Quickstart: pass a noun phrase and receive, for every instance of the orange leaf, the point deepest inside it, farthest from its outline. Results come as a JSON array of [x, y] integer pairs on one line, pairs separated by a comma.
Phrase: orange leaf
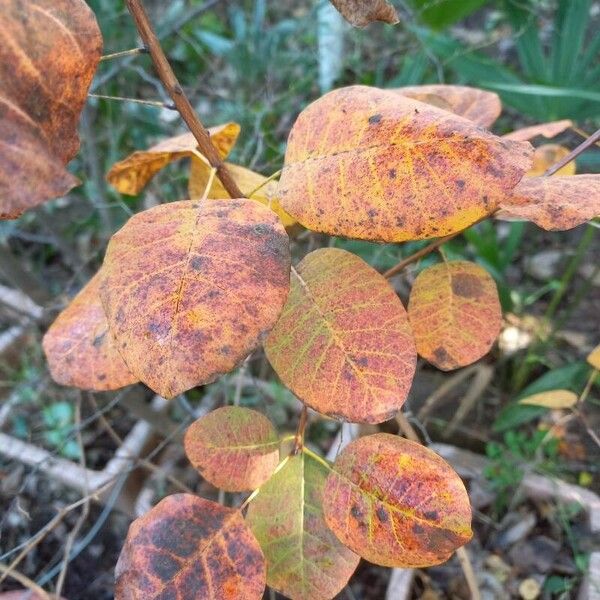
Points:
[[188, 547], [234, 448], [49, 51], [548, 130], [305, 561], [546, 156], [455, 314], [79, 348], [362, 12], [396, 503], [371, 164], [554, 203], [246, 180], [131, 175], [480, 106], [343, 344], [190, 289]]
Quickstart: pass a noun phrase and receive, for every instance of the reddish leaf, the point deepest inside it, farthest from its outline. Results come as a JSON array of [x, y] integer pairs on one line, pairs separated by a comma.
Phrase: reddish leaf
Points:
[[455, 314], [188, 548], [480, 106], [554, 203], [548, 130], [396, 503], [362, 12], [49, 50], [371, 164], [305, 561], [236, 449], [190, 289], [343, 344], [132, 174], [79, 348]]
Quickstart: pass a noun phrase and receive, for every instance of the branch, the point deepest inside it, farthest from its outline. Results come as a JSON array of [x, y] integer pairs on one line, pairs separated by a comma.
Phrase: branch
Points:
[[174, 89]]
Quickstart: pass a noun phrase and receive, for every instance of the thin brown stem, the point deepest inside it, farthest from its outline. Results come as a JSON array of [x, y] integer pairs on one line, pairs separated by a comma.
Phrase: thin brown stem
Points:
[[123, 53], [574, 153], [299, 440], [175, 91]]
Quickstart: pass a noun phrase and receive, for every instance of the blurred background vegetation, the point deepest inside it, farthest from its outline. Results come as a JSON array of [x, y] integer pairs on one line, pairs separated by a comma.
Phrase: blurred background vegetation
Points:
[[259, 63]]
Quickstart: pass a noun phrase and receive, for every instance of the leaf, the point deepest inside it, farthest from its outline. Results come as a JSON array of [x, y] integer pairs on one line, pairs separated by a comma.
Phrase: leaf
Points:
[[305, 561], [455, 314], [554, 203], [49, 51], [371, 164], [80, 350], [480, 106], [548, 130], [234, 448], [554, 399], [443, 13], [546, 156], [594, 358], [343, 344], [361, 13], [396, 503], [187, 547], [132, 174], [190, 289], [247, 181]]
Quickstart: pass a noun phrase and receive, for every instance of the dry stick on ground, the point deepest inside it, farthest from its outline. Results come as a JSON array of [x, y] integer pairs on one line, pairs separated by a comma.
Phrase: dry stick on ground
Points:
[[175, 91], [588, 143]]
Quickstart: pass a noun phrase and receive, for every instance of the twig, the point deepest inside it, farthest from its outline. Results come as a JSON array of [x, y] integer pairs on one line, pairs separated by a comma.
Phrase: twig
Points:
[[175, 91], [299, 441], [155, 103], [131, 52], [574, 153], [23, 580]]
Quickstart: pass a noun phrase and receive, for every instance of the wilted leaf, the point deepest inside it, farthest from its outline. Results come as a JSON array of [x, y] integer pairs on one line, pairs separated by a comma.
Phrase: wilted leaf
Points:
[[247, 181], [190, 289], [372, 164], [362, 12], [455, 314], [49, 50], [305, 561], [234, 448], [79, 348], [594, 358], [480, 106], [396, 503], [548, 130], [554, 203], [131, 175], [546, 156], [343, 344], [188, 548], [554, 399]]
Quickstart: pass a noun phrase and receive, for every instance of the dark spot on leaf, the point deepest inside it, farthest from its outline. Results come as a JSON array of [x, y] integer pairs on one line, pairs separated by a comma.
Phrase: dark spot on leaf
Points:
[[382, 514], [418, 529], [101, 377], [431, 514], [392, 173], [164, 566], [99, 340], [375, 119], [356, 512], [225, 350], [460, 183], [372, 213], [466, 285], [196, 263]]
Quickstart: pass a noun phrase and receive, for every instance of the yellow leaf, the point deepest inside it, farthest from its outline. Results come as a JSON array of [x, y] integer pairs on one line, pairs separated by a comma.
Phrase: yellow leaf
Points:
[[246, 180], [548, 155], [131, 175], [594, 358], [554, 399]]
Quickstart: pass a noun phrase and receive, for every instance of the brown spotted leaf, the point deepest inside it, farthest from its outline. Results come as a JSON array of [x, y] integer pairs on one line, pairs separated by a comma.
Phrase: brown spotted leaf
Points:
[[480, 106], [247, 181], [546, 156], [547, 130], [396, 503], [49, 51], [455, 314], [343, 344], [190, 289], [234, 448], [188, 548], [132, 174], [79, 348], [554, 203], [362, 12], [372, 164], [305, 561]]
